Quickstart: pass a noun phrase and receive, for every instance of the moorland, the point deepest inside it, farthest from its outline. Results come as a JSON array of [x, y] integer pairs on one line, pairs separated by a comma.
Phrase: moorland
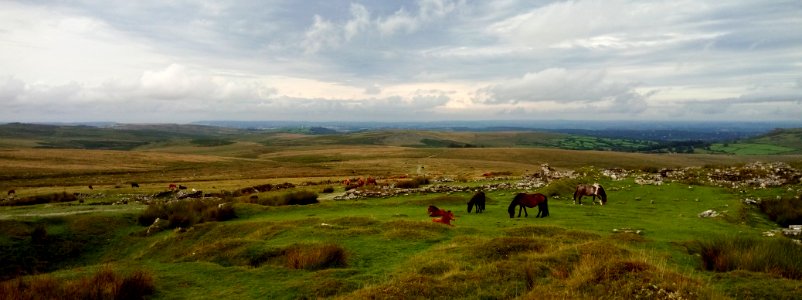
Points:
[[89, 213]]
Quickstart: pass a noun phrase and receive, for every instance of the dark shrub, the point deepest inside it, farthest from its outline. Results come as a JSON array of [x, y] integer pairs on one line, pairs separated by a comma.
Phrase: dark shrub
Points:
[[105, 284], [328, 190], [774, 256], [412, 183], [186, 213], [301, 198], [786, 211], [136, 286], [291, 198], [40, 199]]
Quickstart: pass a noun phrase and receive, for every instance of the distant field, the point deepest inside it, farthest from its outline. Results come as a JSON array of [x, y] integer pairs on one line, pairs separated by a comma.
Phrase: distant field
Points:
[[750, 149]]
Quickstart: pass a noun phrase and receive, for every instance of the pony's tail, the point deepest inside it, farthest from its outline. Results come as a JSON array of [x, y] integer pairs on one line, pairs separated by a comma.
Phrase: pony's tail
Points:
[[546, 205]]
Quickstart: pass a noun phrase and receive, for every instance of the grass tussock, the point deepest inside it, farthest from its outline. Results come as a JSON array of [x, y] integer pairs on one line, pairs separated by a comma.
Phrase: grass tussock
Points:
[[780, 257], [316, 256], [185, 213], [415, 230], [553, 232], [411, 286], [605, 269], [506, 247], [412, 183], [104, 284]]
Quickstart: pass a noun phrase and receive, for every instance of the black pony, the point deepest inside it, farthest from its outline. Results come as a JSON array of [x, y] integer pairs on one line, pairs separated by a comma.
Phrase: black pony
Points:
[[529, 200], [478, 199]]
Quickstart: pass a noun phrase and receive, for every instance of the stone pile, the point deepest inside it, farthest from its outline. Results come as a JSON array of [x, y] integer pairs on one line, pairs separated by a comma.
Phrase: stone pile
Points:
[[388, 191], [757, 175]]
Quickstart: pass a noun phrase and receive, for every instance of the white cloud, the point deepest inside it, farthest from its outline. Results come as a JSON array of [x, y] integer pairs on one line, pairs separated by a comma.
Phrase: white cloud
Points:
[[359, 22], [429, 59], [322, 34], [558, 85]]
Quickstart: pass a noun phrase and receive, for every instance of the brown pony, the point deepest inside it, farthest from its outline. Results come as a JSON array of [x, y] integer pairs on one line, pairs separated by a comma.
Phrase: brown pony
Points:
[[435, 212], [590, 190], [446, 218], [529, 200]]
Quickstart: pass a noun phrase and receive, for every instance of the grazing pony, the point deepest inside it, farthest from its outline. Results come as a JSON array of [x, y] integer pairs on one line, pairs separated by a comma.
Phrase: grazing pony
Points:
[[134, 185], [172, 187], [590, 190], [525, 200], [12, 192], [478, 200]]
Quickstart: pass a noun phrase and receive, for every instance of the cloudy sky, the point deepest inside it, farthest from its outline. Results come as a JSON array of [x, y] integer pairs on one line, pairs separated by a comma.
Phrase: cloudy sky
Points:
[[328, 60]]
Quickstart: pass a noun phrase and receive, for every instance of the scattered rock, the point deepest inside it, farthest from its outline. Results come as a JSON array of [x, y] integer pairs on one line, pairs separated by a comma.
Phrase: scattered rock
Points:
[[709, 214], [157, 226], [628, 230]]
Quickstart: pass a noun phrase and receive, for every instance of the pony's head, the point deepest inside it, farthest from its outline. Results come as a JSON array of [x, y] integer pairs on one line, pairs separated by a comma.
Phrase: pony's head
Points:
[[432, 210], [515, 201], [602, 194], [475, 200]]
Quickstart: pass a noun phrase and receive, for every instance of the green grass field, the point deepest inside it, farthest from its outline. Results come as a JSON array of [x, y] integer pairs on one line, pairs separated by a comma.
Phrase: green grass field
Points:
[[393, 247], [387, 247]]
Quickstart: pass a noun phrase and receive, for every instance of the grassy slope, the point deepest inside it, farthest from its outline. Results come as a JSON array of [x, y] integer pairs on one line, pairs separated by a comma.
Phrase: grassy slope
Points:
[[391, 241], [780, 141]]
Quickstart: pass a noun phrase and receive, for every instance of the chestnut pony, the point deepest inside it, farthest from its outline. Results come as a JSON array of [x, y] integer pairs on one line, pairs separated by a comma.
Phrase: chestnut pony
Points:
[[525, 200], [445, 216]]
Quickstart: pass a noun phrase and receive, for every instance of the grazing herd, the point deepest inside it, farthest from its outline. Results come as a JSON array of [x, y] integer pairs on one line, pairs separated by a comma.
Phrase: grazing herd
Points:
[[522, 201]]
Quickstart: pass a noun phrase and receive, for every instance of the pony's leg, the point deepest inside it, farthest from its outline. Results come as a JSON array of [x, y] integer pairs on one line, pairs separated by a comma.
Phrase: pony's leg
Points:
[[526, 214]]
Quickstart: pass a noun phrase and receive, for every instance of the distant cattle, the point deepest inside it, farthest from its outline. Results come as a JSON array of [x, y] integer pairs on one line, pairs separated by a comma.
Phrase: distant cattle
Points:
[[134, 185]]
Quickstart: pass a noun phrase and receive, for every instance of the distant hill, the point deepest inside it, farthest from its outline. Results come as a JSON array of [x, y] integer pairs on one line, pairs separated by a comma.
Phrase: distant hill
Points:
[[778, 141], [190, 136], [110, 137]]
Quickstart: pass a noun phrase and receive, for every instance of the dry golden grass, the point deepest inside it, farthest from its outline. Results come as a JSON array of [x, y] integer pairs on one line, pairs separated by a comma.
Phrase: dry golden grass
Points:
[[252, 161]]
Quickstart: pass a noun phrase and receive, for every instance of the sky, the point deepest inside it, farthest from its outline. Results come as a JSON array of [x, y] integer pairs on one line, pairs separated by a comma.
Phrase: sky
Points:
[[175, 61]]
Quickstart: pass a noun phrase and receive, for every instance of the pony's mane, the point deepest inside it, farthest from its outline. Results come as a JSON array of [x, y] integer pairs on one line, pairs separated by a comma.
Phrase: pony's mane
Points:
[[602, 193]]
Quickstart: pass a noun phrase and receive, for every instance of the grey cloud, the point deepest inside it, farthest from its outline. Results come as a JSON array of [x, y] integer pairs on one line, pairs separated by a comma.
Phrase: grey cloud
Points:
[[557, 85]]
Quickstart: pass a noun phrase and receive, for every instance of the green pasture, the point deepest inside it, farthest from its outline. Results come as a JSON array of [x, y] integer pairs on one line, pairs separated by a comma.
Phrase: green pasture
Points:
[[393, 246], [750, 149]]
